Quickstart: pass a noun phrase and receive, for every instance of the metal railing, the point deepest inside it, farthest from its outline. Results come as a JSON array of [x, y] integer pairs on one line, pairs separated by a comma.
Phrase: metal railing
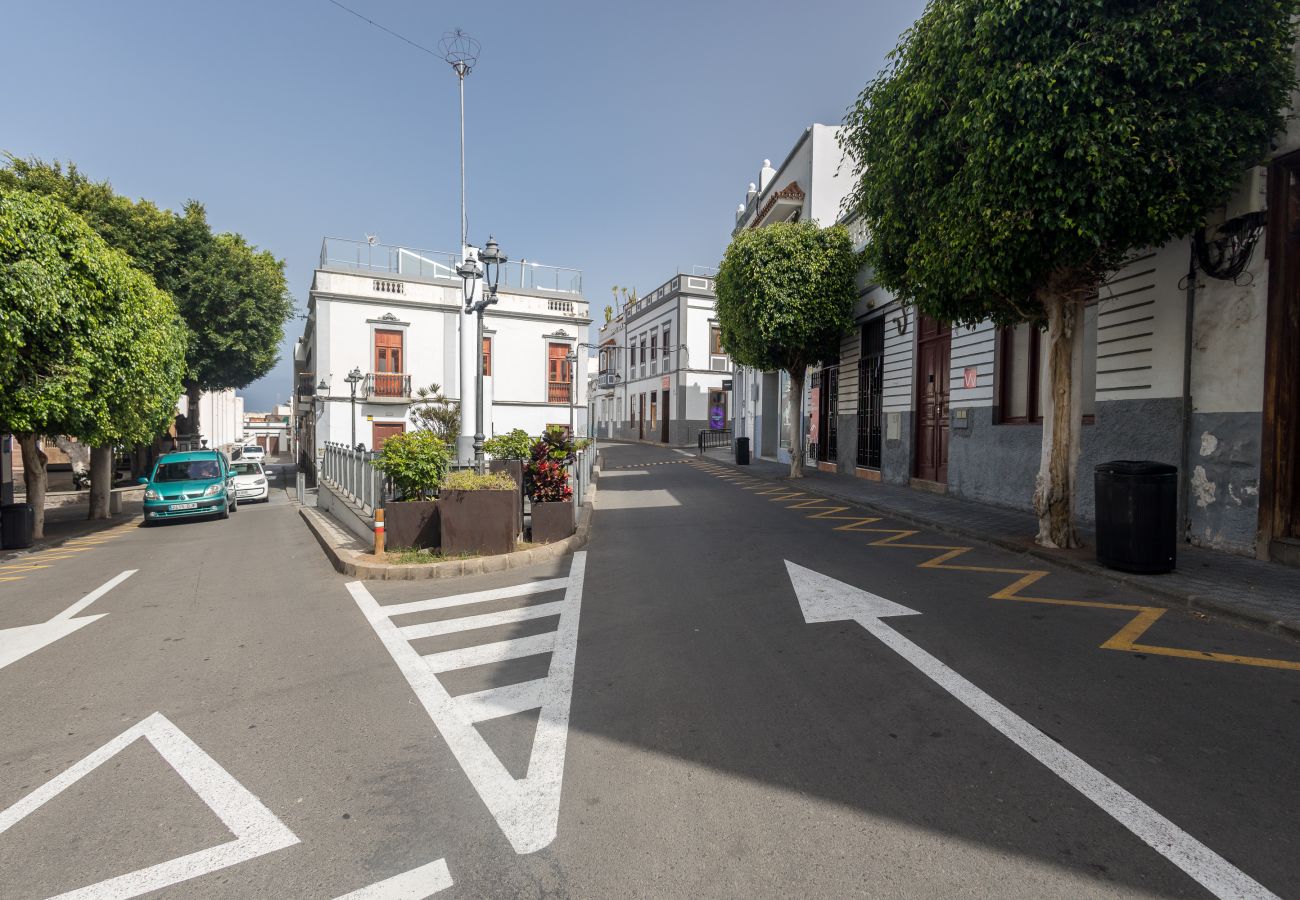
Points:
[[580, 473], [557, 392], [387, 384], [352, 474], [364, 256], [711, 440]]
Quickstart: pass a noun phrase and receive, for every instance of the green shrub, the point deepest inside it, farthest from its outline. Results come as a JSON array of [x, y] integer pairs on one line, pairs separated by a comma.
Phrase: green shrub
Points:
[[416, 461], [469, 480], [513, 445]]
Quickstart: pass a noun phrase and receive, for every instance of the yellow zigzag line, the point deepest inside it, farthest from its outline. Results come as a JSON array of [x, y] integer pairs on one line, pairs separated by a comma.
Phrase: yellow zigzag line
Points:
[[1125, 639]]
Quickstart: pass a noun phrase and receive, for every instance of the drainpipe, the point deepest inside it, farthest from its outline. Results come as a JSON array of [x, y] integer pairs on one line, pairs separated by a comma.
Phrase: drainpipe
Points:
[[1185, 455]]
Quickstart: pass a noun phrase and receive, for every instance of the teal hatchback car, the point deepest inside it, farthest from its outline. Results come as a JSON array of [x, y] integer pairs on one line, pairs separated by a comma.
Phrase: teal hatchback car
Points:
[[195, 483]]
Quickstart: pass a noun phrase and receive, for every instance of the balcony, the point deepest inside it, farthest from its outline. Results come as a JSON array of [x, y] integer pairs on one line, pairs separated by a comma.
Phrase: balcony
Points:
[[363, 256], [557, 392], [306, 384], [387, 387]]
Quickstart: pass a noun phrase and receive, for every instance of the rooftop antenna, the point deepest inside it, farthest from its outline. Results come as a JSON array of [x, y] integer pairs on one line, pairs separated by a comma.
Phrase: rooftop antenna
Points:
[[460, 51]]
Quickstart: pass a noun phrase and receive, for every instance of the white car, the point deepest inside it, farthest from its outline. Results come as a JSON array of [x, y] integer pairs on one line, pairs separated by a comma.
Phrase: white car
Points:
[[252, 453], [250, 481]]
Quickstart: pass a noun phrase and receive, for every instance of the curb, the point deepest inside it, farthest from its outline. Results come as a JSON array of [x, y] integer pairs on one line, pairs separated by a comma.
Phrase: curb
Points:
[[1287, 627], [345, 560]]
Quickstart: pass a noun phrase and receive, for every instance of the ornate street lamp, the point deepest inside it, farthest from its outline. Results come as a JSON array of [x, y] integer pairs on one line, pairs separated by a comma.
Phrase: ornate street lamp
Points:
[[493, 260], [353, 378]]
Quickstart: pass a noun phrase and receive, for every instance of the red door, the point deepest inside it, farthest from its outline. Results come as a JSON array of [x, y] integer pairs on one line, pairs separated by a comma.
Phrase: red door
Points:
[[388, 363], [933, 347], [382, 432]]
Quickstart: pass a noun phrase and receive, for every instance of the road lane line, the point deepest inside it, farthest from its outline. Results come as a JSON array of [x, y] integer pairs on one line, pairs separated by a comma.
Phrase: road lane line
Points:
[[257, 831], [416, 884], [487, 620], [484, 654], [825, 599], [95, 594], [505, 593]]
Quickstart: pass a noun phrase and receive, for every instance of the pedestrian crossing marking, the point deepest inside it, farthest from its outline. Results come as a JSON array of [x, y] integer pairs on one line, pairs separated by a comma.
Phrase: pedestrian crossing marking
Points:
[[1126, 639], [526, 809]]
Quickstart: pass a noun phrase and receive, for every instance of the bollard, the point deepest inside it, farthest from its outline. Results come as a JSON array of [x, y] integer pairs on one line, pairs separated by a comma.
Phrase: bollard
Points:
[[379, 531]]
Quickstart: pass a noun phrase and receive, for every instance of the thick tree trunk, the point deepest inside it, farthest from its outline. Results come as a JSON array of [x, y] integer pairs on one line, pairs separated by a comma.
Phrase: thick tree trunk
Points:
[[35, 478], [101, 481], [1062, 417], [79, 456], [795, 414], [193, 393]]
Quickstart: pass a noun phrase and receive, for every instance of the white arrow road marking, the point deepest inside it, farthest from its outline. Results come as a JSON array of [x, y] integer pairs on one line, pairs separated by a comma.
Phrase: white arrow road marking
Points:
[[257, 831], [416, 884], [824, 599], [526, 809], [15, 643]]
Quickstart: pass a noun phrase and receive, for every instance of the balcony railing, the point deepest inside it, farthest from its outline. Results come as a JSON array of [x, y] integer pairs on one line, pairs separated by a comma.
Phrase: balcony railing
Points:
[[557, 392], [363, 256], [388, 385]]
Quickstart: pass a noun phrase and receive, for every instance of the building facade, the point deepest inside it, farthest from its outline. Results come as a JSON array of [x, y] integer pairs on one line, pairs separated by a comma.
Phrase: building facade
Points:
[[394, 316], [810, 184], [661, 373]]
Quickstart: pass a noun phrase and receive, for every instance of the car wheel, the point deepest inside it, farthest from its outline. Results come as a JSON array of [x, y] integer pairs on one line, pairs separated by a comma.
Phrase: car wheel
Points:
[[234, 505], [225, 512]]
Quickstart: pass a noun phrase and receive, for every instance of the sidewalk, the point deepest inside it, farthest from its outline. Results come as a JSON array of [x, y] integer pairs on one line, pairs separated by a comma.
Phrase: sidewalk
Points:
[[1261, 593], [66, 523]]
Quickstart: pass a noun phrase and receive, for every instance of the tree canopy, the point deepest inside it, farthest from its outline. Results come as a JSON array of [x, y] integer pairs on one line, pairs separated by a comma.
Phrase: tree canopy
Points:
[[1010, 142], [785, 296], [233, 297]]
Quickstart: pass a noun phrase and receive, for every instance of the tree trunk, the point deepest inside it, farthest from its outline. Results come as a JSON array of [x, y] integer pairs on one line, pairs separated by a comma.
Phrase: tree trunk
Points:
[[101, 481], [795, 414], [35, 478], [193, 393], [79, 456], [1062, 417]]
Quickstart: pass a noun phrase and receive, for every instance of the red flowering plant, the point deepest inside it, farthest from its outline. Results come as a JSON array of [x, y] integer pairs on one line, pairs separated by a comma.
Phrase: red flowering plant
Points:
[[546, 477]]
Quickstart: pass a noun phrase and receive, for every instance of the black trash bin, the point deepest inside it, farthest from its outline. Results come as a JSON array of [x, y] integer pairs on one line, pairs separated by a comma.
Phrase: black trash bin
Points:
[[742, 451], [1137, 516], [17, 524]]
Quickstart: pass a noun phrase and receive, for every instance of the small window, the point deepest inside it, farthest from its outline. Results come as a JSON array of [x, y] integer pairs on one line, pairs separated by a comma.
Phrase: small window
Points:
[[715, 340], [487, 357], [668, 333]]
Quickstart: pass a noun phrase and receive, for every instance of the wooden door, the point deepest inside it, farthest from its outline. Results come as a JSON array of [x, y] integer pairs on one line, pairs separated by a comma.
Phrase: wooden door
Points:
[[933, 346], [388, 363], [1279, 496], [640, 420], [663, 407], [383, 431]]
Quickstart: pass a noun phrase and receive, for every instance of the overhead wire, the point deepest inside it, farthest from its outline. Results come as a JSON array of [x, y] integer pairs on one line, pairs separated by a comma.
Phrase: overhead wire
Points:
[[385, 30]]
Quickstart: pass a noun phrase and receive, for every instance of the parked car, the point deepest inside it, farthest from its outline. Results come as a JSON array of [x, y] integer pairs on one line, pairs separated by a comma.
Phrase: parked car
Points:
[[251, 452], [192, 483], [250, 481]]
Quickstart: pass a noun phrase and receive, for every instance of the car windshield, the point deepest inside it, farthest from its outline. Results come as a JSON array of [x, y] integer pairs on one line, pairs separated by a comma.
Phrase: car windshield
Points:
[[247, 468], [187, 470]]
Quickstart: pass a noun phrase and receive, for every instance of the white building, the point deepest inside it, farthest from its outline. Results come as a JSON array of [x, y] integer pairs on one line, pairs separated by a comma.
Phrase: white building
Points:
[[269, 430], [221, 418], [810, 184], [660, 366], [395, 315]]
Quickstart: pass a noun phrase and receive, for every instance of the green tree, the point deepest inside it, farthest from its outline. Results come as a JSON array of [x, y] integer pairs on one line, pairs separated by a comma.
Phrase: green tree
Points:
[[1013, 153], [233, 298], [88, 346], [785, 296], [431, 410]]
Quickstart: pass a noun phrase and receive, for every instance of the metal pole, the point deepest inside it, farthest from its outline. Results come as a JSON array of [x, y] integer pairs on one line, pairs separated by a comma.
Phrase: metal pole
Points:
[[354, 415], [479, 465], [464, 221]]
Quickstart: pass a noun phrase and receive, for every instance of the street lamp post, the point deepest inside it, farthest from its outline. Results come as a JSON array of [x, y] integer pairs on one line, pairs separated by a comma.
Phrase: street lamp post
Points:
[[492, 259], [353, 378], [572, 359]]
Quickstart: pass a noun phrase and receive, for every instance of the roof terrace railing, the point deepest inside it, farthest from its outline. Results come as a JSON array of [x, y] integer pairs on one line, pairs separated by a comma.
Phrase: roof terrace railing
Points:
[[364, 256]]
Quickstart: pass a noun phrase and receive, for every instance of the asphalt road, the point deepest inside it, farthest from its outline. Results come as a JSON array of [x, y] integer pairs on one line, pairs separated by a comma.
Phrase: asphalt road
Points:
[[652, 718]]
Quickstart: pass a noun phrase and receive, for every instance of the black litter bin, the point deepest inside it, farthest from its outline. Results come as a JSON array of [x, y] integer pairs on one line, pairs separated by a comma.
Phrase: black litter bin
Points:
[[17, 524], [1137, 516], [742, 451]]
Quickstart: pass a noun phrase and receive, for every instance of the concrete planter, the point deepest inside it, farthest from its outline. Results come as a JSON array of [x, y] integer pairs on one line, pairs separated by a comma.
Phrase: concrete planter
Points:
[[515, 469], [552, 521], [411, 523], [478, 522]]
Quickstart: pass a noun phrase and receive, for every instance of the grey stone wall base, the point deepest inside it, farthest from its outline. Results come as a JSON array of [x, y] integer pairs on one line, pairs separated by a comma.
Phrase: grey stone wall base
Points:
[[348, 560], [1255, 615]]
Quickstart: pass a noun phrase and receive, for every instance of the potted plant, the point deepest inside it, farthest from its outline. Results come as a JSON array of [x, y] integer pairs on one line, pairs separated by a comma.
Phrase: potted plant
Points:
[[509, 452], [416, 462], [546, 480], [477, 513]]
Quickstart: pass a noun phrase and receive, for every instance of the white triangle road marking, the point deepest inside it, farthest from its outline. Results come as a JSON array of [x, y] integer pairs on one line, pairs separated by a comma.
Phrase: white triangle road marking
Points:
[[257, 831], [527, 809]]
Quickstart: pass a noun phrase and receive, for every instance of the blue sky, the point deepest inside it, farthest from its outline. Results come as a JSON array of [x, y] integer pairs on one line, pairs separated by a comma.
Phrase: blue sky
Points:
[[612, 137]]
